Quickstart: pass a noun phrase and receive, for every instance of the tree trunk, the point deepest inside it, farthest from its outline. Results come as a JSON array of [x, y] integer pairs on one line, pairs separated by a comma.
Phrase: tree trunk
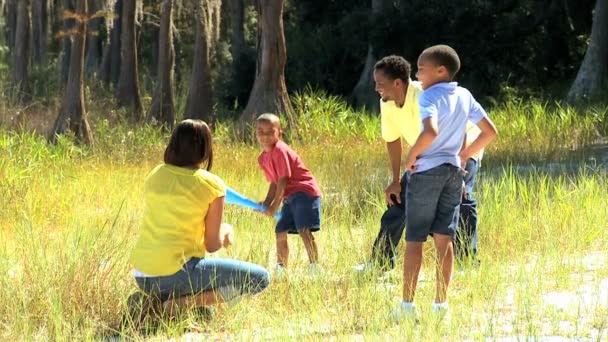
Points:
[[199, 104], [72, 116], [237, 17], [163, 109], [110, 65], [364, 94], [127, 90], [66, 43], [39, 30], [22, 50], [93, 49], [11, 23], [269, 93], [592, 78]]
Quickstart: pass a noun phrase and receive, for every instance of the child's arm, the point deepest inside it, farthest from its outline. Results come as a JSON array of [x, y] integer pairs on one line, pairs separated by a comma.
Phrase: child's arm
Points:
[[270, 195], [463, 162], [424, 141], [278, 196], [488, 133]]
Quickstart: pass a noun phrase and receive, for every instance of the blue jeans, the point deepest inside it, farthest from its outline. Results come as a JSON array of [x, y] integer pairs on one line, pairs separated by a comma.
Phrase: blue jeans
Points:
[[392, 225], [433, 202], [466, 238], [226, 276]]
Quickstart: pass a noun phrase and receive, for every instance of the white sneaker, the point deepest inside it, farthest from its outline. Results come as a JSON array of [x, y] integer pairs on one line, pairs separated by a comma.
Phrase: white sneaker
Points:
[[441, 311], [314, 269], [366, 267], [279, 271], [404, 311]]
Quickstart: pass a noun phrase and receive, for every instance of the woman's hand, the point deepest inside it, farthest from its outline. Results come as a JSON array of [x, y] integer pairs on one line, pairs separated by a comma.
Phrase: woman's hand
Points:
[[227, 234]]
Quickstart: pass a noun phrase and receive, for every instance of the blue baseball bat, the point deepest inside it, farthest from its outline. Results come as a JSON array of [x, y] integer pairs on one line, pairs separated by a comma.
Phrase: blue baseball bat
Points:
[[233, 197]]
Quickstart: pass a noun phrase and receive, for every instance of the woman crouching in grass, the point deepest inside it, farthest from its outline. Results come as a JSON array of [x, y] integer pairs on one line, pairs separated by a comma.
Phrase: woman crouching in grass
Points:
[[184, 204]]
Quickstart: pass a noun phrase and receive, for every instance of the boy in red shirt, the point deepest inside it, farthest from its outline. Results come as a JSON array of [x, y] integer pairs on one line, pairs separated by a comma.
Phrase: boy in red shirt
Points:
[[294, 185]]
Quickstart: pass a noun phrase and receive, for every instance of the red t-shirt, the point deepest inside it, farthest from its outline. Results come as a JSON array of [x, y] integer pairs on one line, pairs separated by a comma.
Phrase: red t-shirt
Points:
[[282, 161]]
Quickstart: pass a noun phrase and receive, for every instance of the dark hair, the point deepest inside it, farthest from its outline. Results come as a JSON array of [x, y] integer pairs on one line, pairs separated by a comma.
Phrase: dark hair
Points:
[[394, 67], [443, 55], [191, 144], [270, 118]]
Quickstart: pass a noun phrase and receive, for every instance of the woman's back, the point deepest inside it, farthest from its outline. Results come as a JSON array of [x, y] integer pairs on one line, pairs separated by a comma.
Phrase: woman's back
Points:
[[177, 200]]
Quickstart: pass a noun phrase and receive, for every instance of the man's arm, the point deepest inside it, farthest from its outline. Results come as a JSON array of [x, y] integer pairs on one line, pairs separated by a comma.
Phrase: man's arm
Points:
[[394, 154]]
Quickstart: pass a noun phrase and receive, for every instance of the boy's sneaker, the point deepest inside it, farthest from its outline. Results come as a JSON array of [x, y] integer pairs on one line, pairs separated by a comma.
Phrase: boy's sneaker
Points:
[[404, 312], [314, 269], [279, 271], [365, 267], [441, 311], [371, 267]]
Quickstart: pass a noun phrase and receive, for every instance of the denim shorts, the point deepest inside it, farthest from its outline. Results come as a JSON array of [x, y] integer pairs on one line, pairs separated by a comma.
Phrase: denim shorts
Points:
[[300, 210], [432, 202]]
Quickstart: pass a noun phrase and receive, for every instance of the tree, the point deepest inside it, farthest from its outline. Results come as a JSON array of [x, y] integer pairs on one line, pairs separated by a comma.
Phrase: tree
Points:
[[592, 78], [40, 31], [127, 90], [237, 18], [11, 22], [110, 63], [269, 93], [22, 49], [66, 42], [163, 109], [72, 115], [364, 94], [199, 104], [242, 70], [93, 49]]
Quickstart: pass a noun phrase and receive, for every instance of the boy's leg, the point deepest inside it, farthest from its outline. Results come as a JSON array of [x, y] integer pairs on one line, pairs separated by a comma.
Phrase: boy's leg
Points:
[[422, 196], [310, 244], [307, 218], [392, 225], [444, 228], [282, 249], [284, 226], [411, 269], [445, 265]]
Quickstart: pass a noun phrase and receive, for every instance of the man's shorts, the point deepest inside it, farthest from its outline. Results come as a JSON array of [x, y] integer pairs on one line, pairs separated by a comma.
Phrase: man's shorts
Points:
[[300, 210], [432, 202]]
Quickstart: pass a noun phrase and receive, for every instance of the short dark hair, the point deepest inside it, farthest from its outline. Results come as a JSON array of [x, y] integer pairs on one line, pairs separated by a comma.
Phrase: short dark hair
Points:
[[270, 118], [443, 55], [191, 143], [395, 67]]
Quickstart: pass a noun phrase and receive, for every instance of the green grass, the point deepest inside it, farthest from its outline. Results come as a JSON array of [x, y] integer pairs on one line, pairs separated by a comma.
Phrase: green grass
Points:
[[69, 217]]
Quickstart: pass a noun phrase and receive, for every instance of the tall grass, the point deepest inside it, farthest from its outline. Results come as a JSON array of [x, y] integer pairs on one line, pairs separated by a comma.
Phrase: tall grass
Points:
[[69, 217]]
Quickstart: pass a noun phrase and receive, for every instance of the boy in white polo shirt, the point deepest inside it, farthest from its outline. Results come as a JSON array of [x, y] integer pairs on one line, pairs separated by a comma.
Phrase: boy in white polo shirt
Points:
[[435, 174]]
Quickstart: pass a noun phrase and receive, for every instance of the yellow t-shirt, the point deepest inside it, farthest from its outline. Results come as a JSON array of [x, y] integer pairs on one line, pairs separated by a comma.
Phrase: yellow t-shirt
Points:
[[176, 204], [404, 122], [472, 133]]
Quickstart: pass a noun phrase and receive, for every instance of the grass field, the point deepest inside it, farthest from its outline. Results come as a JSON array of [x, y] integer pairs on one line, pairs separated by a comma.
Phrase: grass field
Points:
[[69, 217]]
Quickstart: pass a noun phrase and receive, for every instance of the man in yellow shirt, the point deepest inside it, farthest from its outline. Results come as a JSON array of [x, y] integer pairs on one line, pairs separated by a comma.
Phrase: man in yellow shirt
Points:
[[400, 121]]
